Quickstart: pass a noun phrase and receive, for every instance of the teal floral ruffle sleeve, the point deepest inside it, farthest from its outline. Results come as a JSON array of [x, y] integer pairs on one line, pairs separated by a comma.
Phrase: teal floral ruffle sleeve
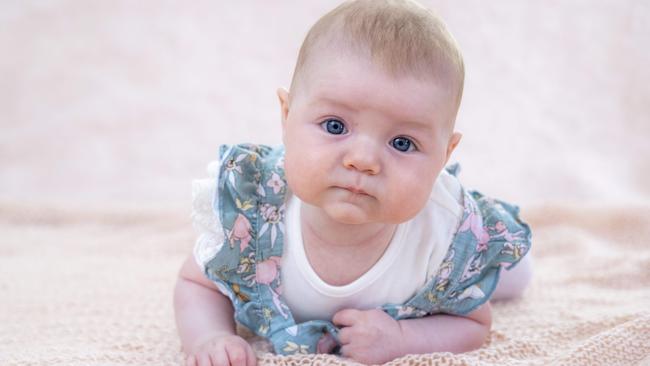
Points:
[[250, 204], [489, 238]]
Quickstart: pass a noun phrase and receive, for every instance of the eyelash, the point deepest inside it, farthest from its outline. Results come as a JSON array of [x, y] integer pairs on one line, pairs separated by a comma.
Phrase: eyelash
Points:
[[411, 144], [326, 126]]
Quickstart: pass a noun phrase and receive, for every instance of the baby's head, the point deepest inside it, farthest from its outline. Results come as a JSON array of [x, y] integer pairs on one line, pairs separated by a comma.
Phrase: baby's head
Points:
[[368, 123]]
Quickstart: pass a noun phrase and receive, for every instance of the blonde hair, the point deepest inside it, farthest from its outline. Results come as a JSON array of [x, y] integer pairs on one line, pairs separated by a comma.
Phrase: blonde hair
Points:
[[401, 35]]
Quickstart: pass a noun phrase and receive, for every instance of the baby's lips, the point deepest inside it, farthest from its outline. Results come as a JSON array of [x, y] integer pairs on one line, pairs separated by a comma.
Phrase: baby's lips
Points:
[[355, 190]]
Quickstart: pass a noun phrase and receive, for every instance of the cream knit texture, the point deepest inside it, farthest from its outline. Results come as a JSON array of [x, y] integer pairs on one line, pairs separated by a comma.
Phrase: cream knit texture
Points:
[[94, 287], [109, 109]]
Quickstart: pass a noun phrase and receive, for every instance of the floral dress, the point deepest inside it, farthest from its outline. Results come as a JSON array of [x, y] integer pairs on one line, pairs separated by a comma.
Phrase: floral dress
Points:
[[250, 203]]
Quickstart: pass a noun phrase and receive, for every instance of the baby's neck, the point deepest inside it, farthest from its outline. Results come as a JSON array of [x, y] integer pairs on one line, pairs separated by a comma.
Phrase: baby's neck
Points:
[[340, 253]]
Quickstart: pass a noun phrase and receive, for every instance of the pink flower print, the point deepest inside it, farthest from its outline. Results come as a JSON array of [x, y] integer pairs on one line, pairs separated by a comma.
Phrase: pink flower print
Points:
[[267, 271], [270, 213], [232, 167], [279, 305], [474, 223], [513, 245], [443, 275], [481, 246], [502, 231], [273, 217], [241, 230], [276, 183]]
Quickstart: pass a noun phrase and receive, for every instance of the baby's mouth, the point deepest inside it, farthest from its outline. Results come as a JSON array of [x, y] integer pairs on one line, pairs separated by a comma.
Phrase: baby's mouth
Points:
[[356, 190]]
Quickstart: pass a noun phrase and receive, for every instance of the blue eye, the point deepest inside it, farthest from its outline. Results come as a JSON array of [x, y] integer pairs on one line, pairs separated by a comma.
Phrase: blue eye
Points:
[[402, 144], [334, 126]]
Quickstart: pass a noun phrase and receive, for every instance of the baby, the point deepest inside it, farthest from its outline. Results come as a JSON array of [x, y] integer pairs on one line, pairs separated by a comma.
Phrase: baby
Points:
[[353, 238]]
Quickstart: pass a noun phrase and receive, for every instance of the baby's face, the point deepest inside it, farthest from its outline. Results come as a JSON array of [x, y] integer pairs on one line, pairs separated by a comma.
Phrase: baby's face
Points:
[[363, 145]]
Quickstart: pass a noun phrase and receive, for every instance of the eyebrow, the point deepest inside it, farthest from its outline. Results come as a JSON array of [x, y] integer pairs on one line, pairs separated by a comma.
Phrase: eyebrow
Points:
[[334, 102], [415, 123]]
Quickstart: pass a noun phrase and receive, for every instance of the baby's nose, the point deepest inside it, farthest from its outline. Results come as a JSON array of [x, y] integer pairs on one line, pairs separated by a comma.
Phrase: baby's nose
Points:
[[364, 157]]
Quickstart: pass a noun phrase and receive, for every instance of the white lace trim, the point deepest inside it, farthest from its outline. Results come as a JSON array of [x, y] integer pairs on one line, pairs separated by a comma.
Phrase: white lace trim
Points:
[[205, 221]]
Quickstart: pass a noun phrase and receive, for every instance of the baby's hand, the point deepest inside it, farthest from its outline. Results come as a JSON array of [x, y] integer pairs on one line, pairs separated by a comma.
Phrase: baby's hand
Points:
[[369, 336], [222, 350]]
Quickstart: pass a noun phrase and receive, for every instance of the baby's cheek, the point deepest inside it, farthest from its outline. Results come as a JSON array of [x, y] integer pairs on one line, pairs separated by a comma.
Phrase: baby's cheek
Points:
[[299, 178], [290, 170], [411, 197]]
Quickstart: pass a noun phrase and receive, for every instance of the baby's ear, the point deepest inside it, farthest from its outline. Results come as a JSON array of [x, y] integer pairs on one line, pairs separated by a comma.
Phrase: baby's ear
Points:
[[453, 142], [283, 96]]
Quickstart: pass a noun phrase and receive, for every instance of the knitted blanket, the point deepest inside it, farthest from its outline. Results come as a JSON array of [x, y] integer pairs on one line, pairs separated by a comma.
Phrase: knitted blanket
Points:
[[111, 108], [94, 287]]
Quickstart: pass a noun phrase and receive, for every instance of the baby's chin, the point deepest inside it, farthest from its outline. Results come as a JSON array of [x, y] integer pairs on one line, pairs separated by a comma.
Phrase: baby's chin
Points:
[[357, 210], [348, 214]]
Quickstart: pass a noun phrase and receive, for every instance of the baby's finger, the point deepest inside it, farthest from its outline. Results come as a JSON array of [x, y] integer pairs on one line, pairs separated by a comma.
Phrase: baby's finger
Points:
[[345, 335], [251, 358], [203, 359], [219, 358], [345, 351], [237, 355], [346, 317], [190, 360]]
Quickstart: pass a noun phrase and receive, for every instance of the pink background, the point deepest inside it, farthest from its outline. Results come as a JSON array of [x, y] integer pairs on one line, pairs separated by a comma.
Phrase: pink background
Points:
[[109, 109], [111, 102]]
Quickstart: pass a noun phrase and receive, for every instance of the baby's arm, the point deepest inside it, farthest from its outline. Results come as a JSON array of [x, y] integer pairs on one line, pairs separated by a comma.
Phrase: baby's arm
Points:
[[372, 336], [204, 318]]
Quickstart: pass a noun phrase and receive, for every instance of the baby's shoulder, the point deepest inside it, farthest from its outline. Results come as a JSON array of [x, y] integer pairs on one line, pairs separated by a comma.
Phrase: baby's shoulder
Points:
[[447, 194]]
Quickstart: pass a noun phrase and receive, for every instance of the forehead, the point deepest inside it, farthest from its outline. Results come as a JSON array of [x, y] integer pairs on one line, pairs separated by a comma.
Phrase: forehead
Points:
[[356, 82]]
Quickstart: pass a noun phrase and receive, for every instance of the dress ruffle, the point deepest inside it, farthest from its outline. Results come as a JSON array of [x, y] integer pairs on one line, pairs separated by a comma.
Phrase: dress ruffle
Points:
[[490, 236], [251, 190]]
